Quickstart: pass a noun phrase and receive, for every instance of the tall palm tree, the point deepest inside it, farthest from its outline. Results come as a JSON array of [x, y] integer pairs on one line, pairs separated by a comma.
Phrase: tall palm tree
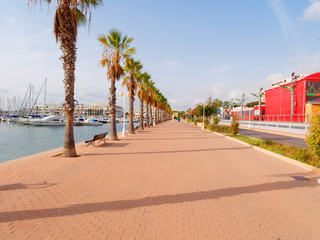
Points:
[[148, 98], [144, 93], [141, 79], [116, 51], [69, 14], [132, 67], [160, 104], [155, 101]]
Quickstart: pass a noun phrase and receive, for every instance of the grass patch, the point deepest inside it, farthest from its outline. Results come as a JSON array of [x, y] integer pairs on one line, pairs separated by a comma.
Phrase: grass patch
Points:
[[300, 154]]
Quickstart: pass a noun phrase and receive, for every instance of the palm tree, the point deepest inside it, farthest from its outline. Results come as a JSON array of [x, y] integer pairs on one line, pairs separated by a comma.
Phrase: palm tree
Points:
[[132, 67], [149, 85], [161, 101], [69, 14], [155, 102], [145, 89], [141, 79], [116, 51]]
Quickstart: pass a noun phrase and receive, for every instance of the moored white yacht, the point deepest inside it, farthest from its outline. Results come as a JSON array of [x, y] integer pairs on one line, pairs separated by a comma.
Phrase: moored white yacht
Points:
[[49, 121], [92, 122]]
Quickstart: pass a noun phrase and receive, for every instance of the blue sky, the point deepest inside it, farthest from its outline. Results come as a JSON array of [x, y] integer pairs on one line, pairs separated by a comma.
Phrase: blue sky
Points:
[[192, 49]]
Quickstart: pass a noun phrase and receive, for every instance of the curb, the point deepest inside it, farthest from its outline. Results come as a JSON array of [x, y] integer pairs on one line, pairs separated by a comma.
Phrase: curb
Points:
[[276, 155]]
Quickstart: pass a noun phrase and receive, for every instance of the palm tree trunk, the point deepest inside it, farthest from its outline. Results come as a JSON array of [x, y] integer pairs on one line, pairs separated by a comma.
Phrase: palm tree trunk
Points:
[[147, 115], [131, 127], [141, 114], [157, 115], [68, 48], [112, 104], [151, 115]]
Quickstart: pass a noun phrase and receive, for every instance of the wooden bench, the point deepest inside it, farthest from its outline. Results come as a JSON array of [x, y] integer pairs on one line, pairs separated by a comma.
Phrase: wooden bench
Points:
[[99, 137]]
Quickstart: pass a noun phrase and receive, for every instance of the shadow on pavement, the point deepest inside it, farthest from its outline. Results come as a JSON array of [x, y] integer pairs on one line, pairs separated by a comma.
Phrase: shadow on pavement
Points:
[[113, 145], [175, 151], [121, 205], [17, 186], [189, 138]]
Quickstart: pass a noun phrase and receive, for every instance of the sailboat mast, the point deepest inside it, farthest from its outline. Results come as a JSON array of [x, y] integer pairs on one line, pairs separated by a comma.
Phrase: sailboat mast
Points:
[[45, 97]]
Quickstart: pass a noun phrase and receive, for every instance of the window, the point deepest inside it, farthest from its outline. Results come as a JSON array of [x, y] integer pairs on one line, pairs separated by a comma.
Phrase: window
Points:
[[313, 91]]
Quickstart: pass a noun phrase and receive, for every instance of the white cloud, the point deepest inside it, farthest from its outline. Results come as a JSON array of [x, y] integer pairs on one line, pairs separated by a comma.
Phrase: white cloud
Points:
[[236, 93], [306, 64], [218, 90], [312, 12], [275, 77], [285, 22], [184, 102], [172, 64]]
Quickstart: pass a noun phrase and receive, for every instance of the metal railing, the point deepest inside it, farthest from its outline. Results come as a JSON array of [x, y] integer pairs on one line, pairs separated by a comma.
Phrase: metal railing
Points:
[[298, 118]]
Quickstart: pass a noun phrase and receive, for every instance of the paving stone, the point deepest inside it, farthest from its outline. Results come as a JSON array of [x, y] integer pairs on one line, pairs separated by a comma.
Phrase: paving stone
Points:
[[172, 181]]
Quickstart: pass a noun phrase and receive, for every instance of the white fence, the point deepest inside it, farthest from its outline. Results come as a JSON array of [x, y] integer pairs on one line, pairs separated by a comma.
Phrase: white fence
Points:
[[290, 127]]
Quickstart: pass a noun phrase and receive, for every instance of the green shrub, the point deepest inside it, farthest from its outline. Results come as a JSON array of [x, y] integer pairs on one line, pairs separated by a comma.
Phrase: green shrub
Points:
[[268, 142], [188, 120], [219, 128], [206, 122], [234, 126], [215, 120], [313, 139]]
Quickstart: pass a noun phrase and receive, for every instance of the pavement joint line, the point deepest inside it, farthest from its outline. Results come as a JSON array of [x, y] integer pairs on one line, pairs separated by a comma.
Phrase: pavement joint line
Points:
[[276, 155]]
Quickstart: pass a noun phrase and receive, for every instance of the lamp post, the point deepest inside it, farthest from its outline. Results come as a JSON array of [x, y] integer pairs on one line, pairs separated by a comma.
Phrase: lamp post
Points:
[[124, 115], [292, 95]]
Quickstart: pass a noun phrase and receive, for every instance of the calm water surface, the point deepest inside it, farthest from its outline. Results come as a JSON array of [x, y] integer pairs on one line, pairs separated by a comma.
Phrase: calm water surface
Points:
[[18, 141]]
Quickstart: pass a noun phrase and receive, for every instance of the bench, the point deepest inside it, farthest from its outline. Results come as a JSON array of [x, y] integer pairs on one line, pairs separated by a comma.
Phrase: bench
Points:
[[99, 137]]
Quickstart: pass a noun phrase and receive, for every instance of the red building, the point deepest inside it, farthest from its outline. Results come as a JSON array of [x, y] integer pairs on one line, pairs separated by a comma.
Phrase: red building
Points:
[[306, 99]]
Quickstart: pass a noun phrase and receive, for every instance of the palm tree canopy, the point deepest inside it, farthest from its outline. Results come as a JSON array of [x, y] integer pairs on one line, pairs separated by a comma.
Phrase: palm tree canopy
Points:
[[115, 41], [133, 68], [79, 10], [116, 50], [142, 84]]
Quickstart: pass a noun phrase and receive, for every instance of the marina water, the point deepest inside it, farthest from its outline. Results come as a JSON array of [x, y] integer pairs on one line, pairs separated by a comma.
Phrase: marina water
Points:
[[18, 141]]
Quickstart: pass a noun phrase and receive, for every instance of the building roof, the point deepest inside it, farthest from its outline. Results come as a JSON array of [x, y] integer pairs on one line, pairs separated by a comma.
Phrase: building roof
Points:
[[313, 76]]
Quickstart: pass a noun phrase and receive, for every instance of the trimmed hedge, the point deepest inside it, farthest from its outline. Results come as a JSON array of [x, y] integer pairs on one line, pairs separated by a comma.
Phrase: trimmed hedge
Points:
[[219, 128]]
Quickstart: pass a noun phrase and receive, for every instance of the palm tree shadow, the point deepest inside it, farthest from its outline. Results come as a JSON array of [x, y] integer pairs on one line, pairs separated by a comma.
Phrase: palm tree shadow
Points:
[[193, 138], [113, 145], [121, 205], [171, 151], [17, 186]]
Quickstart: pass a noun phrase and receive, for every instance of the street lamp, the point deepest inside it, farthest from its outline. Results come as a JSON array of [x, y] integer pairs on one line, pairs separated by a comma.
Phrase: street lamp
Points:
[[124, 115], [293, 77]]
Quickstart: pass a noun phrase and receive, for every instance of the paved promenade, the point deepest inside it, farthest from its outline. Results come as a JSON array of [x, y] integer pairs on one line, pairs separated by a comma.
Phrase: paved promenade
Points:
[[171, 181]]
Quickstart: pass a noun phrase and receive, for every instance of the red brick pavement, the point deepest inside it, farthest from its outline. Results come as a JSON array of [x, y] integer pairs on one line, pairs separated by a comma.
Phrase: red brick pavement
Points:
[[172, 181]]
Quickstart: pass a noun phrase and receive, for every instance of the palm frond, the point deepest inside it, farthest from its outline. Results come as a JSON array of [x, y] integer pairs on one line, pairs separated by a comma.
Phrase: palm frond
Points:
[[290, 89], [131, 50], [125, 81], [103, 40], [81, 17]]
